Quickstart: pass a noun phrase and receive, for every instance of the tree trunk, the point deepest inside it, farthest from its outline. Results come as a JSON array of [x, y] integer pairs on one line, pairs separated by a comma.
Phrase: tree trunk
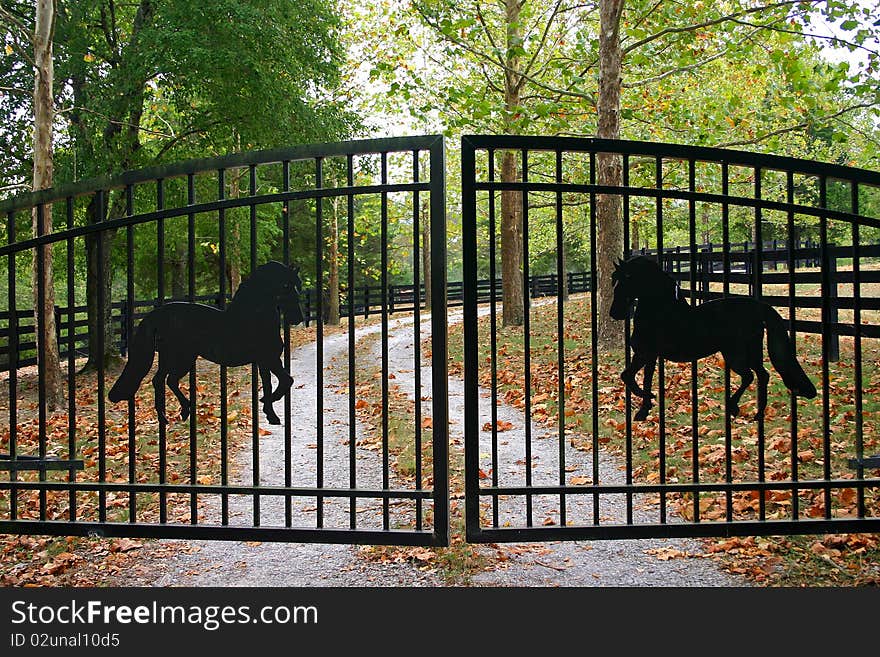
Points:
[[511, 247], [426, 253], [179, 278], [609, 223], [512, 296], [99, 277], [333, 267], [121, 143], [44, 117]]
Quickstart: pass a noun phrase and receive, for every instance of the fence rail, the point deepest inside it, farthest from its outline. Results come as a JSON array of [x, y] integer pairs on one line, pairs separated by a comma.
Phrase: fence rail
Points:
[[367, 300]]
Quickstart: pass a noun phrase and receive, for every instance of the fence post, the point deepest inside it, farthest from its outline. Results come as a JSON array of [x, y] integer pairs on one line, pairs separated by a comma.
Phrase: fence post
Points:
[[366, 301]]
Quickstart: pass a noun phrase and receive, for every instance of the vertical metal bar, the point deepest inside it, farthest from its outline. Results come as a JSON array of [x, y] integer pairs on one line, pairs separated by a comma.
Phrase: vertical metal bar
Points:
[[40, 256], [560, 336], [725, 275], [857, 348], [191, 285], [71, 360], [626, 351], [352, 379], [255, 391], [827, 330], [757, 277], [470, 352], [527, 345], [661, 369], [695, 439], [384, 278], [102, 425], [594, 338], [792, 314], [224, 404], [319, 337], [285, 251], [13, 368], [439, 348], [417, 342], [129, 332], [493, 333], [160, 299]]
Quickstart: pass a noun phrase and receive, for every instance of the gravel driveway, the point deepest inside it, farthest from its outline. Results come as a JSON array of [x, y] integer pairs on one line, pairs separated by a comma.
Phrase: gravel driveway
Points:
[[661, 562]]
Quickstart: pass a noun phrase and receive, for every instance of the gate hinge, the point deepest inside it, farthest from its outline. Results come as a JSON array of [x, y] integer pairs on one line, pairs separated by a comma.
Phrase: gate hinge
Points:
[[865, 462], [24, 462]]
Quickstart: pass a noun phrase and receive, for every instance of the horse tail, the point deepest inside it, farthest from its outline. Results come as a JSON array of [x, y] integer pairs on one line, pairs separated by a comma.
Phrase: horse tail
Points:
[[783, 356], [140, 359]]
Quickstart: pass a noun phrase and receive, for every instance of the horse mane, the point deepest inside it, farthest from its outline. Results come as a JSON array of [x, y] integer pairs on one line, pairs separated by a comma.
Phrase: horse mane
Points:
[[254, 286], [651, 278]]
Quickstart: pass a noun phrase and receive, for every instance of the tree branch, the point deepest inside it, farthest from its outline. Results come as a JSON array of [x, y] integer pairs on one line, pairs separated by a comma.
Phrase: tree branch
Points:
[[543, 40], [715, 21], [115, 122], [16, 21], [836, 40], [16, 90], [796, 127], [688, 68]]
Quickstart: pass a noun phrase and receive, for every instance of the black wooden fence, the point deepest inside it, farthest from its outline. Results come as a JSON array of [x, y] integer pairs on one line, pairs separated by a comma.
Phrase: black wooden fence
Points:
[[367, 300]]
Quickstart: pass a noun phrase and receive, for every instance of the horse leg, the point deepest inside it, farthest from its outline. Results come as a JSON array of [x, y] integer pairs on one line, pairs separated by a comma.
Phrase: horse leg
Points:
[[266, 378], [159, 390], [647, 379], [628, 376], [284, 379], [173, 381], [763, 378], [739, 365]]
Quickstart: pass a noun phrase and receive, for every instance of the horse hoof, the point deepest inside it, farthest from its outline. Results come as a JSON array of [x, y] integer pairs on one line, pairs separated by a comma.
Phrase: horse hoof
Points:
[[641, 415], [273, 419], [733, 411]]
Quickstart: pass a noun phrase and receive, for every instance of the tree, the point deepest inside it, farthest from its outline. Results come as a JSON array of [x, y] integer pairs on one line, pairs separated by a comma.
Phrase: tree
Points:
[[154, 81], [609, 222], [43, 272], [644, 69], [504, 53]]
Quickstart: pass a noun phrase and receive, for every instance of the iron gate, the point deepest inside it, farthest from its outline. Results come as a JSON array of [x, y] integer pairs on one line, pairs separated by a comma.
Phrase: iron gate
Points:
[[551, 448], [194, 229]]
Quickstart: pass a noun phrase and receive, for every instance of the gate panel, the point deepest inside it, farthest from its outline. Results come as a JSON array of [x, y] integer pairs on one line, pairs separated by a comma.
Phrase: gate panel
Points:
[[344, 455], [553, 449]]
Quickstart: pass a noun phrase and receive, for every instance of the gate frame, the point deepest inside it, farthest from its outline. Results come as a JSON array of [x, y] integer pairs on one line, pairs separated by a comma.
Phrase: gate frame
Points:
[[475, 531], [438, 535]]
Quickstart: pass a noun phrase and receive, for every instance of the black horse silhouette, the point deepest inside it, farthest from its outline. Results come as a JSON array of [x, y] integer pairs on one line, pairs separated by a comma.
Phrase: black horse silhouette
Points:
[[666, 326], [247, 331]]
